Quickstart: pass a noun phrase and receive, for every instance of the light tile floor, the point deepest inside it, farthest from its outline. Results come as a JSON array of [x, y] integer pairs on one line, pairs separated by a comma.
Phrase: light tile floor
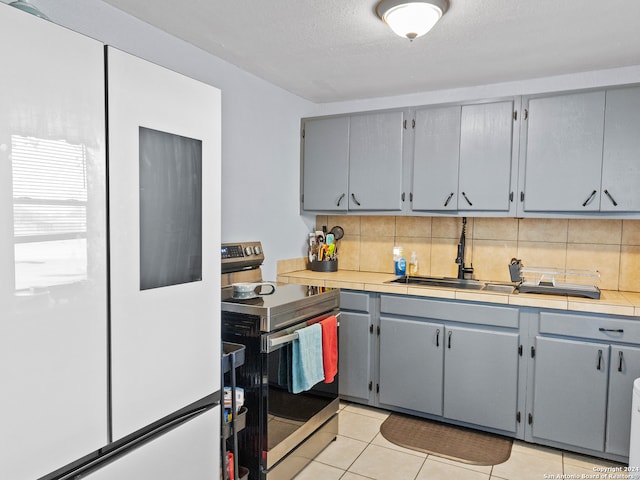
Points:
[[361, 452]]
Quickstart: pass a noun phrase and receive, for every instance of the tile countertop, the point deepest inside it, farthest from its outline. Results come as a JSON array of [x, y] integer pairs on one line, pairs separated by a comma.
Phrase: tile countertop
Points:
[[611, 302]]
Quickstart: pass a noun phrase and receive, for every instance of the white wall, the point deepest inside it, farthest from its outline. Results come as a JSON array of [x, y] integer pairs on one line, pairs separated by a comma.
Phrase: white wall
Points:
[[600, 78], [260, 127], [260, 122]]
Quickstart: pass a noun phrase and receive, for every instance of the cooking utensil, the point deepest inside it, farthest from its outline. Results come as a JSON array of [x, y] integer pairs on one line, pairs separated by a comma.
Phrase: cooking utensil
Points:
[[251, 290], [338, 232]]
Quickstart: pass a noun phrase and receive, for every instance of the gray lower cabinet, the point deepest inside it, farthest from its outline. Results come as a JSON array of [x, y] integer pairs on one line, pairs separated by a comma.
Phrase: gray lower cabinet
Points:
[[411, 364], [570, 392], [356, 346], [584, 369], [455, 360], [481, 377], [624, 369]]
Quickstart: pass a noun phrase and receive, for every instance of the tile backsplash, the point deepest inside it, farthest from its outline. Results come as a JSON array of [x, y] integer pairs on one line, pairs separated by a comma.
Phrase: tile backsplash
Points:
[[610, 246]]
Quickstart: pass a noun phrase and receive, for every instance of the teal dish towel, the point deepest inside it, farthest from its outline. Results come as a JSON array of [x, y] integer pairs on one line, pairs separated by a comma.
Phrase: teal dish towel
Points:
[[306, 359]]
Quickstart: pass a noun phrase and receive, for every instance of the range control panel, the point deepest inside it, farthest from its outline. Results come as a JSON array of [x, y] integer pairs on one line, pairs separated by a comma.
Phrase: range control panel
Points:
[[240, 256]]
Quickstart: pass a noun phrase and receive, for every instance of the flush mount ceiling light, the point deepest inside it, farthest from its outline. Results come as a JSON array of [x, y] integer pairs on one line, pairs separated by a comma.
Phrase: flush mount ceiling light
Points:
[[25, 6], [411, 19]]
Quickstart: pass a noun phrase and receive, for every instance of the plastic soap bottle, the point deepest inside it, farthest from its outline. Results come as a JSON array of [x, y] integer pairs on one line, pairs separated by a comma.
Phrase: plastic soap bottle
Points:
[[399, 262], [413, 264]]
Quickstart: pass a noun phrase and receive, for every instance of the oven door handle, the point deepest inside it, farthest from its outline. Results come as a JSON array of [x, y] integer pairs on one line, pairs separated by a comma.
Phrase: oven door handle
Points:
[[276, 341]]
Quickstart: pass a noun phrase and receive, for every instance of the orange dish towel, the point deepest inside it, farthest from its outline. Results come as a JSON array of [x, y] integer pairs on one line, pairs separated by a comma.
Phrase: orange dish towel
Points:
[[330, 348]]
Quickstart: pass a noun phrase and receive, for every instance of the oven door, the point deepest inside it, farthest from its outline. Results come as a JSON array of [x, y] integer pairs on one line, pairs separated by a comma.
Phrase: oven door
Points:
[[292, 418]]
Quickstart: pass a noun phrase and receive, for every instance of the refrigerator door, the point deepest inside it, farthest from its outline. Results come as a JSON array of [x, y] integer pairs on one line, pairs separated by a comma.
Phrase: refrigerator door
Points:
[[188, 452], [53, 300], [164, 220]]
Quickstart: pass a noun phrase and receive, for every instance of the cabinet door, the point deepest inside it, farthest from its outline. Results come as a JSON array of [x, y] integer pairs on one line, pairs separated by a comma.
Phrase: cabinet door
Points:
[[355, 354], [375, 162], [570, 392], [53, 246], [436, 155], [625, 368], [621, 156], [564, 152], [485, 157], [481, 377], [411, 356], [326, 164]]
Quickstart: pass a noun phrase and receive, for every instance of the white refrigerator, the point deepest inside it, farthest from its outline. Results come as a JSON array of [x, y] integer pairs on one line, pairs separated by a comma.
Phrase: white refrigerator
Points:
[[109, 264]]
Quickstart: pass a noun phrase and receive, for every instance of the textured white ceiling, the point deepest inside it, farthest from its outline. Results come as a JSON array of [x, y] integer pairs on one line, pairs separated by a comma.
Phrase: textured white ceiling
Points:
[[332, 50]]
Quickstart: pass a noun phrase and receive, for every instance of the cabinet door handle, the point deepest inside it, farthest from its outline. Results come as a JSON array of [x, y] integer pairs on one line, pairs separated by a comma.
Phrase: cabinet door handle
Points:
[[446, 202], [449, 339], [355, 199], [340, 199], [589, 198], [437, 337], [465, 197], [599, 365], [620, 359], [615, 204], [615, 330]]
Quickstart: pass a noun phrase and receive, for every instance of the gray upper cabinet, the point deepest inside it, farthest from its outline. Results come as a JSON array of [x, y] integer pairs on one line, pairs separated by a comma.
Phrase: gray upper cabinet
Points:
[[463, 158], [621, 154], [436, 156], [581, 153], [353, 163], [563, 153], [375, 162], [325, 178]]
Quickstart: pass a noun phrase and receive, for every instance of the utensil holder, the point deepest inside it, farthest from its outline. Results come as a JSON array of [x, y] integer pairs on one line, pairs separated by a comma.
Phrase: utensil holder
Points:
[[324, 266]]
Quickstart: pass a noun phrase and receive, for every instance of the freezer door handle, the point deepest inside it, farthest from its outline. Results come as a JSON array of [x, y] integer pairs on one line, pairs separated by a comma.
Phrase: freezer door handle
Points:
[[99, 458]]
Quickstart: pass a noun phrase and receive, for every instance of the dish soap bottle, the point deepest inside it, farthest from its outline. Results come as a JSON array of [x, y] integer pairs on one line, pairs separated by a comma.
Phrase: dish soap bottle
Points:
[[400, 263], [413, 264]]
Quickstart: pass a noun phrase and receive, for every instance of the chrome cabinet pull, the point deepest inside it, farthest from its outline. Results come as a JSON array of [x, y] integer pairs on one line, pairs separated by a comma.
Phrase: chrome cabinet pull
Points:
[[615, 204], [340, 199], [355, 199], [589, 198]]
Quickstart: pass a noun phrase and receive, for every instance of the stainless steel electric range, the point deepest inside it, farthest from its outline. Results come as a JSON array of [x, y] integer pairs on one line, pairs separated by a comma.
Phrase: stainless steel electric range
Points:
[[284, 430]]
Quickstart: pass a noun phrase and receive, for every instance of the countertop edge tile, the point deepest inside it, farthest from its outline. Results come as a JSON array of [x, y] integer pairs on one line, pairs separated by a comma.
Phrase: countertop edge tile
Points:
[[611, 303], [482, 297]]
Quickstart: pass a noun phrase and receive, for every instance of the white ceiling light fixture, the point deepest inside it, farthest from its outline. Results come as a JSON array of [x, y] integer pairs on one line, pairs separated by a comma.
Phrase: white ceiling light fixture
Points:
[[25, 6], [411, 19]]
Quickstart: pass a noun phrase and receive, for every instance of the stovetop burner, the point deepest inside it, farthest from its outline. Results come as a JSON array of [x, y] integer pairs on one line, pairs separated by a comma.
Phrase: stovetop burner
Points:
[[288, 304]]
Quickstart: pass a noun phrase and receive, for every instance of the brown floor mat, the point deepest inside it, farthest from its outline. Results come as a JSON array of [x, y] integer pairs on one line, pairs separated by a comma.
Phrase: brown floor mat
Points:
[[448, 441]]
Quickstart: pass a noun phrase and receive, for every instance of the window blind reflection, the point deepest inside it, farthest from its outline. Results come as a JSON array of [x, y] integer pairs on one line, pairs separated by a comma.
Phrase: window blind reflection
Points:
[[49, 211]]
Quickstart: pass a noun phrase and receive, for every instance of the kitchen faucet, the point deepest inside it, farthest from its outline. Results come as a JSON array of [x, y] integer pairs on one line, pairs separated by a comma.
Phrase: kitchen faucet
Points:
[[462, 270]]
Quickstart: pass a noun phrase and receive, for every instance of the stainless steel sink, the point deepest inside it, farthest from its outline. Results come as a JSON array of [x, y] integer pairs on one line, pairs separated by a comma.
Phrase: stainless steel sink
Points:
[[441, 282], [449, 282]]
